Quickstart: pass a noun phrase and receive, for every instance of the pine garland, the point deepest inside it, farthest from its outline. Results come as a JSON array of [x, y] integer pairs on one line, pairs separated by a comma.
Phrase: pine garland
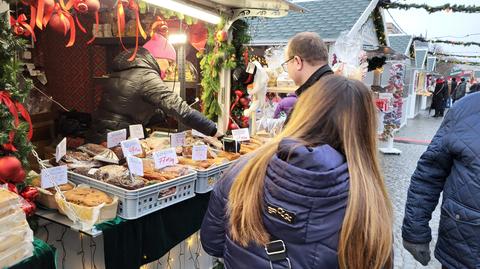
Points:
[[431, 9], [453, 55], [19, 88], [217, 55], [461, 62], [460, 43], [379, 27]]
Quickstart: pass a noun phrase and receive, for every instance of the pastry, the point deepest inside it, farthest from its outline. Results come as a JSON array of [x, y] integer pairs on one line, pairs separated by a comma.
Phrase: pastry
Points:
[[87, 197]]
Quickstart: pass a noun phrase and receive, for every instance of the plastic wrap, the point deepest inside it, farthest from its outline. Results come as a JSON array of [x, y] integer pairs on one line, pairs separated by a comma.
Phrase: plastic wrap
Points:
[[15, 236], [16, 254], [350, 57]]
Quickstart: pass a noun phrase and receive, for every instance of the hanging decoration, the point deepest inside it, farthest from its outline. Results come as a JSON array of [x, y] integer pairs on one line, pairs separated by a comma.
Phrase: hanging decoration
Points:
[[453, 55], [132, 5], [393, 117], [198, 36], [217, 55], [379, 26], [21, 27], [460, 43], [387, 4]]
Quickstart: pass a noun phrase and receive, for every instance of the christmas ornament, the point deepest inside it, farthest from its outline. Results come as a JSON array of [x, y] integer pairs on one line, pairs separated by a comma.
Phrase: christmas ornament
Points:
[[198, 36], [11, 170], [132, 5], [85, 6], [160, 27], [221, 36], [20, 26], [62, 22], [15, 108], [244, 102], [29, 193], [233, 126], [239, 93]]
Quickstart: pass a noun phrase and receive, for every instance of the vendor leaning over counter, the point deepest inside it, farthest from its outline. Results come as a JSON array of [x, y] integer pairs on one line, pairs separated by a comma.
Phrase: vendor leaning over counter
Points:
[[135, 92]]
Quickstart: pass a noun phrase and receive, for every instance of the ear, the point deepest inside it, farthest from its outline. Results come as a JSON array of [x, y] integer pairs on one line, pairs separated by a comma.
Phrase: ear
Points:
[[298, 62]]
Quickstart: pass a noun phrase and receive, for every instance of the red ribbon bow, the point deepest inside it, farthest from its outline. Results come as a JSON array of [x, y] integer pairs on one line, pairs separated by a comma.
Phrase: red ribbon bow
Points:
[[131, 4], [15, 107], [21, 27]]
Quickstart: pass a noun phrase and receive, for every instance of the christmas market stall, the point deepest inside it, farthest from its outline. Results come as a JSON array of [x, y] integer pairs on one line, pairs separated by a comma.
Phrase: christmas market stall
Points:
[[136, 194]]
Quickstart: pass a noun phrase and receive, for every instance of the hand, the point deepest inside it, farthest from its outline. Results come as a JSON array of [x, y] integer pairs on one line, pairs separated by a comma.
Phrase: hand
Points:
[[219, 135], [421, 252]]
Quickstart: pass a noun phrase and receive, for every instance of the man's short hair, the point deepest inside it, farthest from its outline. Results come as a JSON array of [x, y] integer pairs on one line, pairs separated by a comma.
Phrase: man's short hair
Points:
[[308, 46], [463, 79]]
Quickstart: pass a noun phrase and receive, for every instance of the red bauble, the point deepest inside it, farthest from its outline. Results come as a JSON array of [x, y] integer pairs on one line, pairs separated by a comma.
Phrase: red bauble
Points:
[[11, 170], [233, 126], [221, 36], [59, 25], [93, 5], [244, 102], [29, 193], [29, 208], [239, 93]]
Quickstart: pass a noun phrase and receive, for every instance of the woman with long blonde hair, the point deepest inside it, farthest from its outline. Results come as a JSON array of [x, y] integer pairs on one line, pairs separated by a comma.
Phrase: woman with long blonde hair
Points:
[[314, 197]]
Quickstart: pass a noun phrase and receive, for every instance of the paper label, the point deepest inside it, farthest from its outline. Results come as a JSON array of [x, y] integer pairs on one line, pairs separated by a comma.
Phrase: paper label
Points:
[[164, 158], [61, 149], [197, 133], [55, 174], [131, 147], [136, 131], [92, 171], [241, 134], [250, 68], [135, 165], [199, 153], [177, 140], [114, 138]]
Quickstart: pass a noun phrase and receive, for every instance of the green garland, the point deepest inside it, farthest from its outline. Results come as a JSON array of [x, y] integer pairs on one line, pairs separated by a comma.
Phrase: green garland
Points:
[[431, 9], [446, 42], [379, 27], [19, 88], [453, 55], [461, 62], [217, 55]]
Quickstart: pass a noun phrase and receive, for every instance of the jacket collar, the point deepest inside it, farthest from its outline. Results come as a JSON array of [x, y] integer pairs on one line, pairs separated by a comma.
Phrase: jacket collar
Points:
[[322, 71]]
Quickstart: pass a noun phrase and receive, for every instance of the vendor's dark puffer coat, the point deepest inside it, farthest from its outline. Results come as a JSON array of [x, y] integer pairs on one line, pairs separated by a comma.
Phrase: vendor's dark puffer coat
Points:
[[135, 92], [451, 164], [312, 185]]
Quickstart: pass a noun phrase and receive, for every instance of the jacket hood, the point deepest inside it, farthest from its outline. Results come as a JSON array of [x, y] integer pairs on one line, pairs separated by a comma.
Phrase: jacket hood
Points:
[[143, 59], [311, 183]]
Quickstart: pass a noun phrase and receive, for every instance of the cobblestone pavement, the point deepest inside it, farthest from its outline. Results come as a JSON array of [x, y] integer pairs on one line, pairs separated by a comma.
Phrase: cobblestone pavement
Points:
[[398, 170]]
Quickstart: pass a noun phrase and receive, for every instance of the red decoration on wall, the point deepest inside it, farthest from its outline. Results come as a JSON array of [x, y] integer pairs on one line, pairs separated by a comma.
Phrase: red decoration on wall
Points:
[[198, 36], [21, 27], [15, 108]]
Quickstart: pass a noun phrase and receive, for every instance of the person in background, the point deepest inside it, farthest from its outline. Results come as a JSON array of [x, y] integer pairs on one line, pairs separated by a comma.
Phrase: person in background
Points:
[[306, 60], [453, 88], [451, 164], [135, 92], [285, 105], [460, 90], [475, 87], [439, 97], [315, 195]]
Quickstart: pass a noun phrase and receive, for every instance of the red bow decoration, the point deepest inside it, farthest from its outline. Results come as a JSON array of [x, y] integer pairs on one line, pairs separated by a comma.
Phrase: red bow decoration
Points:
[[131, 4], [21, 27], [15, 108], [64, 20]]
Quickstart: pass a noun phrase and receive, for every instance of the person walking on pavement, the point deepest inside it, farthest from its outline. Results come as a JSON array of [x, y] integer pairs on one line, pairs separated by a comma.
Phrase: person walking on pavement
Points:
[[314, 197], [451, 164], [306, 61], [439, 97], [451, 92], [460, 91]]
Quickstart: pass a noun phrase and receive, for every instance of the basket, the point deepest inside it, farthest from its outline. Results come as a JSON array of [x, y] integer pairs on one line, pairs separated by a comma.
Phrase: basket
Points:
[[133, 204], [206, 179]]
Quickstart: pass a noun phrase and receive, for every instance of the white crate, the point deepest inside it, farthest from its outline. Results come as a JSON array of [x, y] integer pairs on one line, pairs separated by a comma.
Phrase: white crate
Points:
[[206, 179], [133, 204]]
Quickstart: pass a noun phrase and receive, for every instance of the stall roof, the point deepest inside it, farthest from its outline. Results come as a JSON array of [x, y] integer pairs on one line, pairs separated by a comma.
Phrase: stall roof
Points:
[[431, 62], [249, 4], [400, 43]]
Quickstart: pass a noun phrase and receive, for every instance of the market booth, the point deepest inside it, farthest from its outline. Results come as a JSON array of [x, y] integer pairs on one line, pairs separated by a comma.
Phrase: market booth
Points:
[[137, 199]]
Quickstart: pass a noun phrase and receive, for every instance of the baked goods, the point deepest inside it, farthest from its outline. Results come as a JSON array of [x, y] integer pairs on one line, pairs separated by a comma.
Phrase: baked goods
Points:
[[202, 165], [164, 174], [87, 197], [158, 143], [119, 176], [231, 156]]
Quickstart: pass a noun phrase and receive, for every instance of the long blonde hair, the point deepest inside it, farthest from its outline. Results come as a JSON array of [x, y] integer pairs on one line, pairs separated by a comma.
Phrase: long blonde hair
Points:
[[339, 112]]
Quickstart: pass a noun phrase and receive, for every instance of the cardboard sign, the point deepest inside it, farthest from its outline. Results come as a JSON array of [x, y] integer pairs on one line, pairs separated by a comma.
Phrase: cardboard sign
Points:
[[241, 134], [199, 153], [61, 149], [135, 165], [250, 68], [114, 138], [131, 147], [55, 174], [177, 140], [136, 131], [164, 158], [197, 133]]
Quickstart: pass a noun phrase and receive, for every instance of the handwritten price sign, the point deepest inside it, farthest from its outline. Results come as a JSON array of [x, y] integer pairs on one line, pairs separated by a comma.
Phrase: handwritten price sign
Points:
[[241, 134], [131, 147], [177, 140], [165, 158], [114, 138]]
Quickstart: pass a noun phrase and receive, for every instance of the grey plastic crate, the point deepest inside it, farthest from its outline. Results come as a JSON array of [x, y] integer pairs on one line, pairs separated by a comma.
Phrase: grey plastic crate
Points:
[[133, 204], [206, 179]]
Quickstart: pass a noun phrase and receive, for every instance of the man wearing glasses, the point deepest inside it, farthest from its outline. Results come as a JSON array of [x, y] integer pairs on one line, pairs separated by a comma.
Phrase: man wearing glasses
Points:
[[306, 60]]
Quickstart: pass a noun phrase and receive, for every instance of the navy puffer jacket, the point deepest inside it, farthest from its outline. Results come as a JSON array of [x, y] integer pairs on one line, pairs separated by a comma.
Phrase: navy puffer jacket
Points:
[[312, 186], [451, 164]]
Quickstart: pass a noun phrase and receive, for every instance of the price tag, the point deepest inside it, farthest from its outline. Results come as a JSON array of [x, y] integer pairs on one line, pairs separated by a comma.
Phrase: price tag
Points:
[[177, 140], [114, 138], [164, 158], [197, 133], [131, 147], [135, 165], [241, 134], [136, 131], [61, 149], [55, 174], [250, 68], [199, 153]]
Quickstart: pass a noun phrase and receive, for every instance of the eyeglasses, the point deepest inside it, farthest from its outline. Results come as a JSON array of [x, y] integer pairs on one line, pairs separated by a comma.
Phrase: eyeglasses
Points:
[[284, 64]]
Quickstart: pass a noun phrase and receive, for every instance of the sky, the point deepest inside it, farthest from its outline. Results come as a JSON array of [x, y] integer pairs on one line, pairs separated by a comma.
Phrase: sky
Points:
[[441, 25]]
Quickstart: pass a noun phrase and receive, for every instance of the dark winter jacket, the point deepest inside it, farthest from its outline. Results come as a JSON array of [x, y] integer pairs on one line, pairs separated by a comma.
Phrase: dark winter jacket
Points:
[[439, 96], [461, 91], [312, 187], [451, 164], [135, 92]]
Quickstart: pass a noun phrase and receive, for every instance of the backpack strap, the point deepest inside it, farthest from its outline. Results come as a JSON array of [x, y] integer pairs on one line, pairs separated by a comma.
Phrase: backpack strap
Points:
[[277, 252]]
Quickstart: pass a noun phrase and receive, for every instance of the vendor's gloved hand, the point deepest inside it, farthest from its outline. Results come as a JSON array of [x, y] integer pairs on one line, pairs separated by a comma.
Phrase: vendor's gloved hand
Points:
[[219, 135], [421, 252]]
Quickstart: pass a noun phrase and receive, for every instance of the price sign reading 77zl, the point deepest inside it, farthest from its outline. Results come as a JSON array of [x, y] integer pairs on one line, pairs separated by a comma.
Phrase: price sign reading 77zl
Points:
[[165, 158]]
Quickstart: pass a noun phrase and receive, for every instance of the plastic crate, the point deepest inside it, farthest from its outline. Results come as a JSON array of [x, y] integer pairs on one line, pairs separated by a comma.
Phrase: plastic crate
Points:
[[133, 204], [206, 179]]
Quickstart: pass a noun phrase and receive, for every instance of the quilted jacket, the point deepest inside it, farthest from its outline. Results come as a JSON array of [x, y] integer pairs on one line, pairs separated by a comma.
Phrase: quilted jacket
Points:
[[311, 187], [451, 164], [135, 92]]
